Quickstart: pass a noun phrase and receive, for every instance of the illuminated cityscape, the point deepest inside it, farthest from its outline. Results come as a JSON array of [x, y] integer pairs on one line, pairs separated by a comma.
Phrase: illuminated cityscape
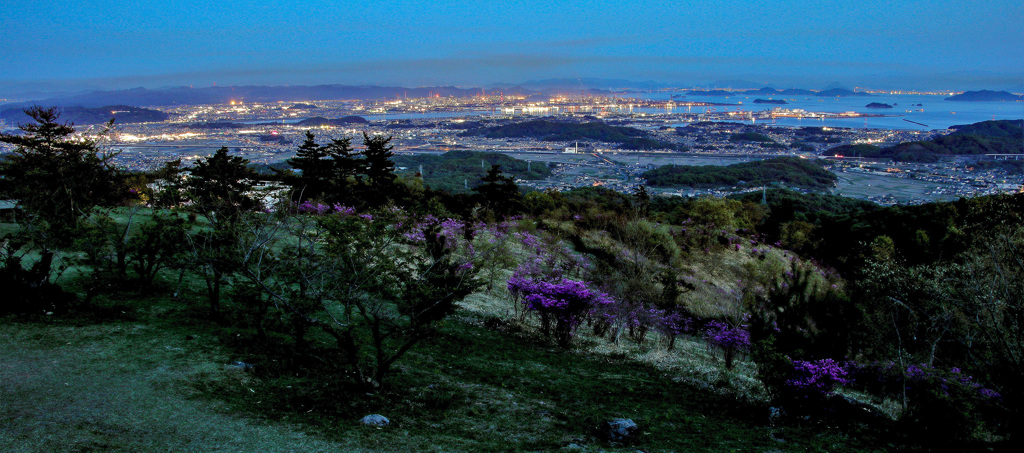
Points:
[[269, 133]]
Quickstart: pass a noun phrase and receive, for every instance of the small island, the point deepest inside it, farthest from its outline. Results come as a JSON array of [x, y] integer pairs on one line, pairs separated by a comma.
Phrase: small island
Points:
[[770, 101], [878, 105]]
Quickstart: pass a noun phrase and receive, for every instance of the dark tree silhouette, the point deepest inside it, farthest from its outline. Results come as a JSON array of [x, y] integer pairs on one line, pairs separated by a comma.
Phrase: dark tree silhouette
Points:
[[218, 188], [219, 184], [379, 170], [55, 177], [499, 194]]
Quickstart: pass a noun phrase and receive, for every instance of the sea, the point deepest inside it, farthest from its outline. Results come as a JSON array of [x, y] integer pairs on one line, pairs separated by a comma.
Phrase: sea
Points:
[[909, 112]]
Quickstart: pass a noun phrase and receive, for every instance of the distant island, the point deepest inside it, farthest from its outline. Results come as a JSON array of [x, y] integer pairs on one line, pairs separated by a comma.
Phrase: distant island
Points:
[[984, 96], [722, 93], [840, 92], [770, 101], [792, 171], [878, 105]]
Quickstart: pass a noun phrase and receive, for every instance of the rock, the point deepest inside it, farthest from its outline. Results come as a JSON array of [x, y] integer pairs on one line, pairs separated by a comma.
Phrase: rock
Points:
[[242, 366], [622, 430], [377, 420]]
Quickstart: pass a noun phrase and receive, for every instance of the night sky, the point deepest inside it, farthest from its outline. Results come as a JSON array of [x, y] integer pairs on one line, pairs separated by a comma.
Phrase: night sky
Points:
[[811, 44]]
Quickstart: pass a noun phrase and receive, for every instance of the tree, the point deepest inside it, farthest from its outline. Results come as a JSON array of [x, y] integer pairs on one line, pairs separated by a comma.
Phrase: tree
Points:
[[345, 166], [358, 280], [57, 179], [218, 186], [316, 172], [641, 200], [327, 172], [157, 245], [499, 194], [379, 170], [171, 188]]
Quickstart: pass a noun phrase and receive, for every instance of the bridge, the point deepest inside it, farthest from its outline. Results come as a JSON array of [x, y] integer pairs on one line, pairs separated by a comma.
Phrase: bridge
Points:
[[1004, 156]]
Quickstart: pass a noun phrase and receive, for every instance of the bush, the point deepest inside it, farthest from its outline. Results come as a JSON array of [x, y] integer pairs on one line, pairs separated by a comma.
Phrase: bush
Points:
[[565, 302], [942, 407], [29, 291]]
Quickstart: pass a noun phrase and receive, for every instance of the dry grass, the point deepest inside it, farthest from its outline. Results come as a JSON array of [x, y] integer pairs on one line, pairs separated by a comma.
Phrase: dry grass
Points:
[[719, 278], [690, 361]]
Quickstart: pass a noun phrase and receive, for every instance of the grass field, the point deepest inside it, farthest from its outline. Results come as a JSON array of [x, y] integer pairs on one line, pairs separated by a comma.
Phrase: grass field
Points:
[[122, 387], [863, 185], [161, 380], [141, 371]]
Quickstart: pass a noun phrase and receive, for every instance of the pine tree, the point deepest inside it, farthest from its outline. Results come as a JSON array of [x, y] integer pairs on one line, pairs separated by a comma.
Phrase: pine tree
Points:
[[57, 178], [379, 170], [499, 194], [219, 184], [315, 170], [345, 170]]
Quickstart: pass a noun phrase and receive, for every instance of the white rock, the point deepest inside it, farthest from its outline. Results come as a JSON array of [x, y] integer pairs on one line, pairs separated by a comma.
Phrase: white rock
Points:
[[375, 420]]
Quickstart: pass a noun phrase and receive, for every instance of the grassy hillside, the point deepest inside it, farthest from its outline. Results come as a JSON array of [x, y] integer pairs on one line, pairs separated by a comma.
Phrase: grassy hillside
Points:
[[139, 370]]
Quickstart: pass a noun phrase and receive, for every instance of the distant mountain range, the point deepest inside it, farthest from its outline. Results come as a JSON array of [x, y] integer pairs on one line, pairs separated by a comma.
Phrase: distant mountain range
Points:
[[767, 91], [221, 95], [533, 89]]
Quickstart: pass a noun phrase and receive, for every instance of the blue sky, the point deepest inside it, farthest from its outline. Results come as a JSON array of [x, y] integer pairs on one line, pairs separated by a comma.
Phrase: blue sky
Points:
[[120, 44]]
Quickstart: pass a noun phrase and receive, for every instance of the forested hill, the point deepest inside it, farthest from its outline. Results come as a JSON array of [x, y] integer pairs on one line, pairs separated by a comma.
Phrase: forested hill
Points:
[[122, 114], [1001, 128], [452, 170], [792, 171], [626, 137], [986, 137]]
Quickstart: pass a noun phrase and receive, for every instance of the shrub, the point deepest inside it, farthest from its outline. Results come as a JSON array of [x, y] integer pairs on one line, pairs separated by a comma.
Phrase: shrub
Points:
[[565, 303], [727, 337]]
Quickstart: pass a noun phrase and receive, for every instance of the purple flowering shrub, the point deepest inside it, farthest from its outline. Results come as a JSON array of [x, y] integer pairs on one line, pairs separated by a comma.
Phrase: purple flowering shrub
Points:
[[456, 235], [564, 303], [318, 209], [727, 337], [817, 379]]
